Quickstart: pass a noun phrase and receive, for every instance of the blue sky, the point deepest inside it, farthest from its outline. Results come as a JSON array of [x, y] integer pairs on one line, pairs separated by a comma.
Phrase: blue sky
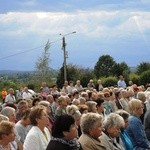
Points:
[[119, 28]]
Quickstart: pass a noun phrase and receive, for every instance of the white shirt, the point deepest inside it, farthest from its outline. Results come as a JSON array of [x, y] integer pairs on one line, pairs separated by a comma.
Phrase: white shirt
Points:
[[26, 95], [36, 140]]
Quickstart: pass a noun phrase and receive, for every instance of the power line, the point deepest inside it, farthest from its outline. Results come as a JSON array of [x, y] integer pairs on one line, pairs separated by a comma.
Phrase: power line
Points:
[[2, 58]]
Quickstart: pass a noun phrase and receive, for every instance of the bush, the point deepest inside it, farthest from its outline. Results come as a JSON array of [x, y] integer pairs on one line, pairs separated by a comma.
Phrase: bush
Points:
[[134, 78], [109, 81]]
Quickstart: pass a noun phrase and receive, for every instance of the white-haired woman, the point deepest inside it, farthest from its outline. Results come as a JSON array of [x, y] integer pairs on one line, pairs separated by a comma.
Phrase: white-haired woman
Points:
[[111, 130], [91, 130]]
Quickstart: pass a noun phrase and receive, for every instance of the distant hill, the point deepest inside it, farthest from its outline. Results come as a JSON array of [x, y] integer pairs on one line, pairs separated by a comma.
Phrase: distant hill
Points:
[[133, 69], [13, 71]]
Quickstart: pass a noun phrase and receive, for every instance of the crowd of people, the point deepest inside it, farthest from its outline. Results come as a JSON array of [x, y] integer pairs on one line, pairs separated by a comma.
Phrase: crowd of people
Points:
[[76, 118]]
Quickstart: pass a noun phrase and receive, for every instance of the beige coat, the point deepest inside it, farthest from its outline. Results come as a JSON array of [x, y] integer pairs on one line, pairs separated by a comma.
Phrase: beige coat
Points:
[[108, 143], [88, 143]]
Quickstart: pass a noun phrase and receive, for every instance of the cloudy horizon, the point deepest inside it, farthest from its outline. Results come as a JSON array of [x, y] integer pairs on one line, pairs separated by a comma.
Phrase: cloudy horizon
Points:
[[120, 28]]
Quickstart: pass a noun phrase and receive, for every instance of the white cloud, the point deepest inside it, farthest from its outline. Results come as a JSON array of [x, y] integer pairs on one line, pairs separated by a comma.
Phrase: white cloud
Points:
[[95, 23]]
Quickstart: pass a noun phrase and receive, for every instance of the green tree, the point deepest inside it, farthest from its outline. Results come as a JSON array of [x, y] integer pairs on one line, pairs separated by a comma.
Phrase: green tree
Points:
[[104, 66], [43, 72], [144, 66], [74, 73], [145, 77], [134, 78]]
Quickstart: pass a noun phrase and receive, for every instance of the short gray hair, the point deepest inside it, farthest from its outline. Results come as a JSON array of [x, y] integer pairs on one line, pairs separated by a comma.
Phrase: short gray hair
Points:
[[140, 95], [89, 120], [7, 111], [113, 120]]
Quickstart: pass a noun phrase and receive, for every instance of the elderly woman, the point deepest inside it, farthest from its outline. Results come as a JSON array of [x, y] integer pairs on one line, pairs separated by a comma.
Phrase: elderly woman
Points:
[[124, 135], [135, 127], [61, 109], [64, 132], [22, 126], [112, 125], [39, 136], [91, 106], [7, 136], [91, 130], [10, 113], [73, 110]]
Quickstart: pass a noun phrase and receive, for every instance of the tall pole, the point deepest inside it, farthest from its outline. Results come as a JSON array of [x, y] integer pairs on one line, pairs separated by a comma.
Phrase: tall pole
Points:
[[64, 51], [65, 54]]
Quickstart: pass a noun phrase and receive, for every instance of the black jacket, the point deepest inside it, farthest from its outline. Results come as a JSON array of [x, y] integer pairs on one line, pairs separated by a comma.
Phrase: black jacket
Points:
[[56, 144]]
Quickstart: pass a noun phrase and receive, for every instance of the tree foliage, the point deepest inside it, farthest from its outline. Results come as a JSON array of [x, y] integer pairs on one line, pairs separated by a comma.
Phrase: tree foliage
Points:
[[134, 78], [75, 73], [43, 72], [144, 66], [145, 77], [104, 66], [109, 81]]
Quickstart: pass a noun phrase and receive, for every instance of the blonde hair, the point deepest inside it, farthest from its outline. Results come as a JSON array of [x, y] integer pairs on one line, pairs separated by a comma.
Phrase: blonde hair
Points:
[[133, 104], [6, 128], [2, 118], [73, 110]]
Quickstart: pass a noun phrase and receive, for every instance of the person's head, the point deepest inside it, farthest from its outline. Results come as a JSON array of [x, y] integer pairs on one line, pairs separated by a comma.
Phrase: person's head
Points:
[[50, 98], [124, 93], [112, 124], [130, 83], [85, 95], [135, 106], [44, 84], [29, 102], [26, 89], [64, 127], [71, 83], [11, 91], [73, 110], [62, 101], [7, 133], [99, 81], [91, 81], [35, 101], [46, 104], [10, 113], [25, 117], [76, 94], [82, 100], [91, 124], [141, 96], [38, 116], [76, 102], [22, 106], [121, 77], [2, 118], [125, 115], [91, 106], [78, 82], [83, 108], [99, 105]]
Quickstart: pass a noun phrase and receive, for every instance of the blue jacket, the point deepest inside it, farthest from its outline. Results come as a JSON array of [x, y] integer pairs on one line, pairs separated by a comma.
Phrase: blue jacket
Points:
[[126, 140], [137, 134]]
